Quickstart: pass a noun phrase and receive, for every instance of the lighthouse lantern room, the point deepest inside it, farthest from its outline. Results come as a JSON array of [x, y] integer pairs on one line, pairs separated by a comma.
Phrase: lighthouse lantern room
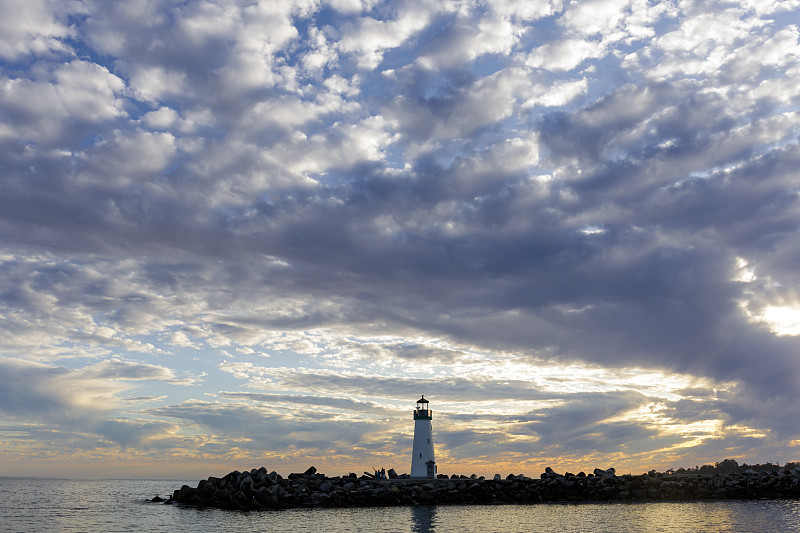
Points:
[[423, 462]]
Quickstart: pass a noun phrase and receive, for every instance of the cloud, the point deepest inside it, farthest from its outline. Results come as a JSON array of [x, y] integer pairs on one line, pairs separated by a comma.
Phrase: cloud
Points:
[[118, 369], [134, 433], [524, 207], [35, 27], [468, 37], [276, 400], [368, 38], [76, 406], [271, 428], [52, 394], [564, 55], [60, 109]]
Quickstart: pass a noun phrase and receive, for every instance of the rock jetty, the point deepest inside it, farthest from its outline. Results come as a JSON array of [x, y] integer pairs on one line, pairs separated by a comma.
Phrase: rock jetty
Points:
[[261, 489]]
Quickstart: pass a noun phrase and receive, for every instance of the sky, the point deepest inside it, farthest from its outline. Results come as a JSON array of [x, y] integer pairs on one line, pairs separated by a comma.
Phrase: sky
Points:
[[252, 233]]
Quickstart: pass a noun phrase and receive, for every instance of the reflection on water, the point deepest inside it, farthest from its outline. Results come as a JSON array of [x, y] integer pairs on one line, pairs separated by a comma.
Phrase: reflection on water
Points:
[[719, 516], [46, 506], [422, 519]]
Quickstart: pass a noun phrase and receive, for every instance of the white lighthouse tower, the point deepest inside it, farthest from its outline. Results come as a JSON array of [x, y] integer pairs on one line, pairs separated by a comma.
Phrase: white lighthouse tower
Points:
[[423, 462]]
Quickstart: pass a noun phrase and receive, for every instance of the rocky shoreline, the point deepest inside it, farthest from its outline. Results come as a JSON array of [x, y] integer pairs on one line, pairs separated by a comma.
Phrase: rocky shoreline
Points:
[[260, 489]]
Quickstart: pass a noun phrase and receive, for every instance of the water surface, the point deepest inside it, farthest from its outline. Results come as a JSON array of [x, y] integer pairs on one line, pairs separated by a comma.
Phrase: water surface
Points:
[[49, 505]]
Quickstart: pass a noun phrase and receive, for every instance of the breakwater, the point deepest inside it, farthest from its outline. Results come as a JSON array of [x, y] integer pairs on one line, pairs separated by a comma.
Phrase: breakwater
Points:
[[260, 489]]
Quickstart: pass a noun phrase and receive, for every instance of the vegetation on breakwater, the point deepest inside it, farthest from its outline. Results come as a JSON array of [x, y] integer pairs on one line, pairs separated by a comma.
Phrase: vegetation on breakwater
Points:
[[260, 489]]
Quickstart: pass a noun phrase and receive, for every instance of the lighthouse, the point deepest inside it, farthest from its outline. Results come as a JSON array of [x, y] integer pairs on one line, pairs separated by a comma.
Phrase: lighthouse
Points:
[[423, 462]]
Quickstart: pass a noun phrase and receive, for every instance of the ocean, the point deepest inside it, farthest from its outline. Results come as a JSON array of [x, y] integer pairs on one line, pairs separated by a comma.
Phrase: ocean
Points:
[[30, 505]]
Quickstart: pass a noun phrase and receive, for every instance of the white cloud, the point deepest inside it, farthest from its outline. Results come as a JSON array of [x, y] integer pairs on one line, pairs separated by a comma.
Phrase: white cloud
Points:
[[345, 146], [351, 6], [51, 107], [163, 118], [369, 38], [594, 16], [526, 10], [466, 39], [766, 7], [32, 27], [151, 83], [321, 55], [555, 95], [564, 55], [88, 91], [703, 43], [129, 156]]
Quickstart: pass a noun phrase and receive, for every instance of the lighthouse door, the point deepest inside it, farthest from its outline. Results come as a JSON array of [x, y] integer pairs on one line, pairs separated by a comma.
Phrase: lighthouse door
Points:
[[431, 469]]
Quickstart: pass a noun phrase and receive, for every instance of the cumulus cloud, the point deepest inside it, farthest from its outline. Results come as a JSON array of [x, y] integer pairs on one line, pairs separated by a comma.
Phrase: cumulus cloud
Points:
[[564, 55], [36, 27], [368, 38], [60, 109]]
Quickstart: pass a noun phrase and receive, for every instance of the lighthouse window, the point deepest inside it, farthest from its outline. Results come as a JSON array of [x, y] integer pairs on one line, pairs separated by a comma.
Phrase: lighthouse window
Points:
[[420, 456], [429, 441]]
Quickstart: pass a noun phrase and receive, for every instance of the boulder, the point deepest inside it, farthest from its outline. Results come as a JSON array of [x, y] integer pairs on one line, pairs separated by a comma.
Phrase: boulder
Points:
[[239, 490], [549, 473]]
